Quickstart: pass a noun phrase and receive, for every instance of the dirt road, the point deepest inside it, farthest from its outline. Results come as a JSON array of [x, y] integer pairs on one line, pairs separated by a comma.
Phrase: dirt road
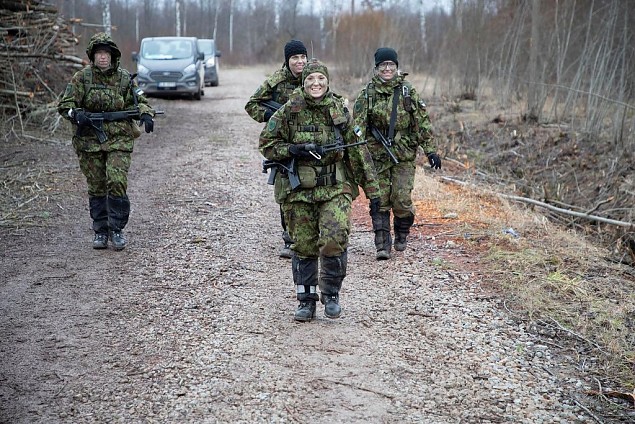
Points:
[[193, 321]]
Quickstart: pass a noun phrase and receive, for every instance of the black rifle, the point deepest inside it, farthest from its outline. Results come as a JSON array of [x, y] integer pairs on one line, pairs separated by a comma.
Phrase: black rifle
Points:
[[314, 148], [288, 167], [271, 105], [97, 120], [384, 142]]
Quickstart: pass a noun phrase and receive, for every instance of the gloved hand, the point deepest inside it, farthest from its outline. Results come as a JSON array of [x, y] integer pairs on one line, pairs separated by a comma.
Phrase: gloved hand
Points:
[[80, 117], [374, 205], [300, 150], [435, 160], [147, 121], [268, 114]]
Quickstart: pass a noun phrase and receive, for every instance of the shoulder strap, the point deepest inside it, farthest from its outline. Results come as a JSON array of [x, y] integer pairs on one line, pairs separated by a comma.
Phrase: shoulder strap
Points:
[[393, 114]]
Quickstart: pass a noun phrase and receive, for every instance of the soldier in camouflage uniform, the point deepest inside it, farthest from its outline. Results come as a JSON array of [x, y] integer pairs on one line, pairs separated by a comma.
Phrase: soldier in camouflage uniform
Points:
[[388, 97], [318, 212], [103, 86], [278, 87]]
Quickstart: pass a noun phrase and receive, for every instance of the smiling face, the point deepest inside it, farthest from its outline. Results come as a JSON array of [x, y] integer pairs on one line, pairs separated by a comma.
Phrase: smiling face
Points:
[[296, 64], [103, 58], [316, 84], [387, 70]]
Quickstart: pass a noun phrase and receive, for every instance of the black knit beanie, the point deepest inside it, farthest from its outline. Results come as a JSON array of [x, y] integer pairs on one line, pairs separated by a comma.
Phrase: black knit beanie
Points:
[[384, 54], [292, 48]]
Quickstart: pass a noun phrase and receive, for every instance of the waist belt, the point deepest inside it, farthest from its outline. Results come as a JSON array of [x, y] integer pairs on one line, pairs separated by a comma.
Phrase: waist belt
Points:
[[327, 176]]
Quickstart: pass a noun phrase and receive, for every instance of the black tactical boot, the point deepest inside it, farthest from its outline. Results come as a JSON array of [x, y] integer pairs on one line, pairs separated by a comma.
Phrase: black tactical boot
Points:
[[100, 241], [383, 241], [305, 277], [402, 229], [332, 308], [285, 251], [333, 271], [305, 311], [118, 240]]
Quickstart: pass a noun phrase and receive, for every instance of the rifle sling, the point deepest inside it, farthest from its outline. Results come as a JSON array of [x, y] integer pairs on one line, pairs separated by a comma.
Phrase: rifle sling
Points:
[[393, 115]]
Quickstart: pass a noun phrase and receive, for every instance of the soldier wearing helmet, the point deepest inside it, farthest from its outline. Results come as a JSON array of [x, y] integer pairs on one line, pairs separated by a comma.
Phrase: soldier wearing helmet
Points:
[[103, 86]]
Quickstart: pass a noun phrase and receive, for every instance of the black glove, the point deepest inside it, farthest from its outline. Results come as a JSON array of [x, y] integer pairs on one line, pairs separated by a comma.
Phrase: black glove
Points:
[[374, 205], [435, 160], [147, 121], [300, 150], [268, 114], [80, 118]]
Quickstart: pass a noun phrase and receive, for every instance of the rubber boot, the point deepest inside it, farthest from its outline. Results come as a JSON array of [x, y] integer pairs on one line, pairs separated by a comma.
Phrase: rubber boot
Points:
[[305, 277], [118, 213], [99, 213], [383, 241], [333, 271], [402, 229]]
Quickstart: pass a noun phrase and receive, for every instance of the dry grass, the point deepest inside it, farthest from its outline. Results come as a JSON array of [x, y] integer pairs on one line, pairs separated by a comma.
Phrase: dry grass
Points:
[[557, 281]]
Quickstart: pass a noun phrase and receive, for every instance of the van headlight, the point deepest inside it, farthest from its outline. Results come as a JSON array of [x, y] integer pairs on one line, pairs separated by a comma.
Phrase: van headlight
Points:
[[210, 61], [142, 70], [190, 69]]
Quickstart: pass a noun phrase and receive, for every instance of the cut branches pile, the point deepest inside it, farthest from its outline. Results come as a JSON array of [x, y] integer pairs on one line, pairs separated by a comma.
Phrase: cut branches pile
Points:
[[38, 50]]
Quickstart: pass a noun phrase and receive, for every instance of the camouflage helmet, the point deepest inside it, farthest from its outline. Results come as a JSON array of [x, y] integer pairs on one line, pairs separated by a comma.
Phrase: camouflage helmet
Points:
[[312, 66], [101, 39]]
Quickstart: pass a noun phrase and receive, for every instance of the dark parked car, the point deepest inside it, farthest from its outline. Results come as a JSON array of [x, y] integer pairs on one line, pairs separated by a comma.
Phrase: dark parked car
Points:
[[208, 47], [170, 66]]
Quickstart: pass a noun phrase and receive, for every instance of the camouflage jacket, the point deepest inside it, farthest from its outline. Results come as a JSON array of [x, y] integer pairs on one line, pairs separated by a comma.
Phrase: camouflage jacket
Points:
[[278, 87], [304, 120], [95, 90], [373, 106]]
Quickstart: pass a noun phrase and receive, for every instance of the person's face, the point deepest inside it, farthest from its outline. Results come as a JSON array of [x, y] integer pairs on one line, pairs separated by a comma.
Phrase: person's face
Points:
[[387, 70], [316, 84], [296, 64], [102, 59]]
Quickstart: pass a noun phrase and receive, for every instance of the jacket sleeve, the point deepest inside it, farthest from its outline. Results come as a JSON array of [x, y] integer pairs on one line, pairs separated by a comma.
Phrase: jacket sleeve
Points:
[[72, 96], [360, 113], [253, 107], [361, 163], [422, 124], [274, 138]]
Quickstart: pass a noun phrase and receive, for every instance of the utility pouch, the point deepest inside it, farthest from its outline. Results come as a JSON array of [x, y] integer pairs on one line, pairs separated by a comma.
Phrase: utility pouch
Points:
[[307, 175]]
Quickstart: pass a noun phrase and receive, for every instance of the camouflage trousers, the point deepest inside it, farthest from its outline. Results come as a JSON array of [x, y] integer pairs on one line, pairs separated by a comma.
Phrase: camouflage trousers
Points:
[[321, 228], [106, 172], [395, 189]]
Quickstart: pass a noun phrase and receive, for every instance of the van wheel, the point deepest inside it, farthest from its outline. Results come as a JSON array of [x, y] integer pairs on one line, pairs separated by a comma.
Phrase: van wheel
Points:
[[214, 83]]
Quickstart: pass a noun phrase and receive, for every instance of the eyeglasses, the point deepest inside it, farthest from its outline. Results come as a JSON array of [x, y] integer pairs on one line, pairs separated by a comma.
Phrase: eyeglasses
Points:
[[391, 66]]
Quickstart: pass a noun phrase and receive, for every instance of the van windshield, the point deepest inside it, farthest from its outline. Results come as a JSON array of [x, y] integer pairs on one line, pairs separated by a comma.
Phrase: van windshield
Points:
[[206, 46], [166, 49]]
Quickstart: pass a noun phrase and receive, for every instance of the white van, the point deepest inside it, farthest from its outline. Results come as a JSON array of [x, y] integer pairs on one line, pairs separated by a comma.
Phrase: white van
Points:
[[170, 66]]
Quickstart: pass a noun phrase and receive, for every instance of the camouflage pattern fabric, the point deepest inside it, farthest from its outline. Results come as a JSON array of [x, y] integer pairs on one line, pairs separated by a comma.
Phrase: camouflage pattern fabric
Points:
[[106, 173], [412, 129], [278, 87], [305, 120], [319, 229], [104, 94]]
